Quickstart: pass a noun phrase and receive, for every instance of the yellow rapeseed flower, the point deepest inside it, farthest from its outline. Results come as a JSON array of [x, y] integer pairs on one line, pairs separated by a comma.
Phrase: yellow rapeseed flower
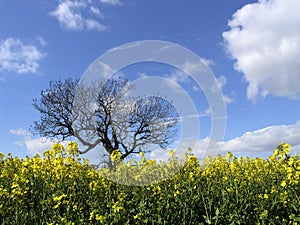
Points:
[[229, 155], [283, 183], [100, 218], [177, 192], [266, 196]]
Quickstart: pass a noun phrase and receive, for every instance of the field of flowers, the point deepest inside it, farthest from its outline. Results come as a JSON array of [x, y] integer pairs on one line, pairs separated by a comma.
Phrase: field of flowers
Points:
[[61, 188]]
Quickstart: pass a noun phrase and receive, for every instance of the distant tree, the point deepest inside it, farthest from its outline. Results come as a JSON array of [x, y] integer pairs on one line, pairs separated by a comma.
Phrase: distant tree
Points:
[[109, 118]]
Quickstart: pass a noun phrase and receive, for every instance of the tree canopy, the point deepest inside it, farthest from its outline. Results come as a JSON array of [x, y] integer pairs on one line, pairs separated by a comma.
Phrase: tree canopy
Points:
[[110, 117]]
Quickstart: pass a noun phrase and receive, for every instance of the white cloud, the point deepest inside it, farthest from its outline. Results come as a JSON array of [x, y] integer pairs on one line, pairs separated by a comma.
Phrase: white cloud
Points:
[[227, 99], [92, 24], [178, 76], [175, 79], [265, 41], [257, 143], [40, 145], [142, 75], [111, 2], [96, 11], [17, 57], [67, 15], [195, 67], [265, 139], [253, 143], [206, 112], [20, 132], [32, 145], [42, 41], [71, 15], [124, 47], [221, 82]]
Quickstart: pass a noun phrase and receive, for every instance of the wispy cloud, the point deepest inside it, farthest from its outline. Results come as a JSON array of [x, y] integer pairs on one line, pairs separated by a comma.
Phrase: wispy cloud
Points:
[[111, 2], [196, 67], [81, 14], [19, 57], [38, 145], [95, 11], [221, 82], [265, 42], [70, 15], [178, 77], [32, 145]]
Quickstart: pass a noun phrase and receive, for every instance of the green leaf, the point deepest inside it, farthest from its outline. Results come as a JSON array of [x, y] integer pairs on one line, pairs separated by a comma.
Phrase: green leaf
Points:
[[296, 219]]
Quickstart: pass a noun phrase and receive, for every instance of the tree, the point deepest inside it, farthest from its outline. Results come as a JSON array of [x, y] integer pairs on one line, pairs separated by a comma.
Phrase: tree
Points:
[[110, 117]]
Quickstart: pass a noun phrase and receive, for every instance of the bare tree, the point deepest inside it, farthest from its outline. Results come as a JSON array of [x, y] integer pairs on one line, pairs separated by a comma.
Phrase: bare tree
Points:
[[55, 107], [110, 117]]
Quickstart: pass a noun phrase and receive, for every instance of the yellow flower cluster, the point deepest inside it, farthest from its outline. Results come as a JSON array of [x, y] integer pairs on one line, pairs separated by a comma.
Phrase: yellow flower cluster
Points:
[[60, 187]]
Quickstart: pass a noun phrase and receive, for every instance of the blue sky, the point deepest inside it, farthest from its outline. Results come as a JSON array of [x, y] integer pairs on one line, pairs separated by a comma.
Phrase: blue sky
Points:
[[252, 48]]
